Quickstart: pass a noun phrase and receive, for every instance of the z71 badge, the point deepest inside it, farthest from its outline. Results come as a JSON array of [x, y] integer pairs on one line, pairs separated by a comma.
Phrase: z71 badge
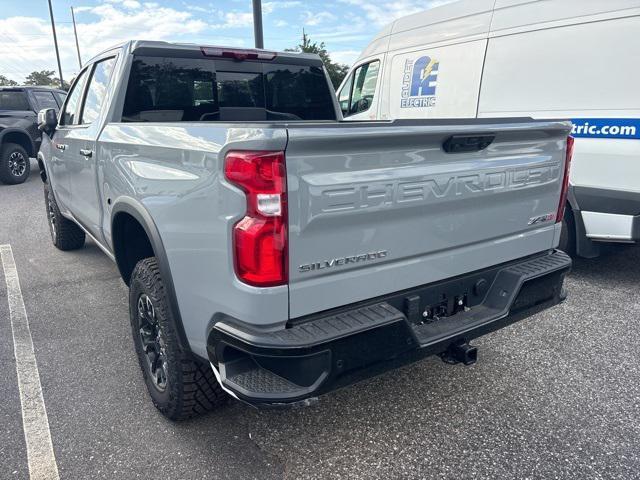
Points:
[[335, 262], [542, 219]]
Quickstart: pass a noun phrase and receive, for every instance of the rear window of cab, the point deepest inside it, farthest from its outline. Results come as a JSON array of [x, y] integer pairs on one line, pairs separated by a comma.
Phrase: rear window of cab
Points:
[[204, 90]]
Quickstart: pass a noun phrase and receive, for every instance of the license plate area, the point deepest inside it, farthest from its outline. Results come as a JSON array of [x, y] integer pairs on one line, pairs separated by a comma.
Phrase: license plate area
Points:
[[438, 302]]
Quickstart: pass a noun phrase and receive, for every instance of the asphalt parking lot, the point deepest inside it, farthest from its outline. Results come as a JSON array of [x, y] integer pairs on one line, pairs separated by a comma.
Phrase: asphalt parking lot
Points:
[[554, 396]]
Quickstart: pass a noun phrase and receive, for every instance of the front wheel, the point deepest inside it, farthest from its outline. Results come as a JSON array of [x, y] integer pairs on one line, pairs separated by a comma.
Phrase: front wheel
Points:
[[15, 165], [180, 385]]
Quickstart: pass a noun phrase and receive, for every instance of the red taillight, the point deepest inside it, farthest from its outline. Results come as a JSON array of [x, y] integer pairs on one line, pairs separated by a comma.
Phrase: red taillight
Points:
[[238, 53], [565, 180], [260, 238]]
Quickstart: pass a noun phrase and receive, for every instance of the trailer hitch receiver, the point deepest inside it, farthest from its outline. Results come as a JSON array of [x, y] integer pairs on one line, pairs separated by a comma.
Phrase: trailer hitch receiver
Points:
[[460, 352]]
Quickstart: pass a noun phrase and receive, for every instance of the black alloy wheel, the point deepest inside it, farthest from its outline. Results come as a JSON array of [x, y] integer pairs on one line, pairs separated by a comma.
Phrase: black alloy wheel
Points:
[[17, 164], [153, 343]]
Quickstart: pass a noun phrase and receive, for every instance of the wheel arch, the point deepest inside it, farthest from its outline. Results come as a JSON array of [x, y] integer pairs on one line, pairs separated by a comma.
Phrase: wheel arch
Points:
[[129, 216], [19, 136], [42, 167]]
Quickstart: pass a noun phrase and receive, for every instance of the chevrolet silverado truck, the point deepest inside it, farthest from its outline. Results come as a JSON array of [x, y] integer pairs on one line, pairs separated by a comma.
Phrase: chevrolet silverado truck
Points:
[[273, 252], [19, 135]]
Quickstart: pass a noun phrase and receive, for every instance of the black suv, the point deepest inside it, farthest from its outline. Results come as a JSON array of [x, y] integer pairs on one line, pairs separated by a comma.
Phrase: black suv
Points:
[[19, 134]]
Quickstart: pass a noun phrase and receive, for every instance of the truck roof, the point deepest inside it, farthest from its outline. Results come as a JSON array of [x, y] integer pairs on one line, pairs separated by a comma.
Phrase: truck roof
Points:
[[32, 87], [155, 47]]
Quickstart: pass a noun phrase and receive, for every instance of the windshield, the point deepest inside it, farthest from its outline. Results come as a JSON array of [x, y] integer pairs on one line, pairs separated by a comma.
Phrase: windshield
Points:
[[13, 100], [181, 89]]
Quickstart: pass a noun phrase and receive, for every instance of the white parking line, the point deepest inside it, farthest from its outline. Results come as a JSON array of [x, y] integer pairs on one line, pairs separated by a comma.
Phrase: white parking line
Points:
[[40, 456]]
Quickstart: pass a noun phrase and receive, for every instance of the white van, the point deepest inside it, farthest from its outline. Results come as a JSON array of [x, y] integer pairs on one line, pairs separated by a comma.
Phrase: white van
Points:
[[576, 59]]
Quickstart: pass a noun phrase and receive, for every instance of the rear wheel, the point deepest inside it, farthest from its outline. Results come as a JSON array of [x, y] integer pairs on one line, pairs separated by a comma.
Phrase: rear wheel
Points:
[[14, 164], [180, 385], [65, 234]]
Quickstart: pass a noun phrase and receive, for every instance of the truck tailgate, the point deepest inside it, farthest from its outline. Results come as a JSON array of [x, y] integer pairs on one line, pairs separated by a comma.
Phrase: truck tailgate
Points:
[[377, 207]]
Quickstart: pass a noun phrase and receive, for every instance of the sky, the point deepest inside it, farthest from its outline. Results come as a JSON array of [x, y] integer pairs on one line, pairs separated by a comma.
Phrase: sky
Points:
[[26, 42]]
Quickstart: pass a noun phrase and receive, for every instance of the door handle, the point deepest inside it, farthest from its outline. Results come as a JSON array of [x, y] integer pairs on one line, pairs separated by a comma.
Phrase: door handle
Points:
[[61, 146], [86, 152], [467, 143]]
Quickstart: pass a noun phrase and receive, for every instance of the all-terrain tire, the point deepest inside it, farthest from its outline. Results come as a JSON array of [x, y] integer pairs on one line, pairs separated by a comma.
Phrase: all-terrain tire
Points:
[[15, 165], [190, 387], [65, 234]]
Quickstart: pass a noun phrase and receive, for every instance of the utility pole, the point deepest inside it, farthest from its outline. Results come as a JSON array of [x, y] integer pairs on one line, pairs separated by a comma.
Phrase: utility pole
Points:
[[257, 23], [55, 43], [75, 32]]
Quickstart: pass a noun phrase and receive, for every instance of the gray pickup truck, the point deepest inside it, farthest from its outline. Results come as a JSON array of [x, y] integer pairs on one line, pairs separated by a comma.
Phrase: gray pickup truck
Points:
[[273, 252]]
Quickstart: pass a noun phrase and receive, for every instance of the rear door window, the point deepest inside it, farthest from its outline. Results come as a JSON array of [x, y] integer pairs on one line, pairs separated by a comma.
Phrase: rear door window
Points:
[[61, 97], [71, 113], [45, 100], [97, 90], [14, 100], [184, 89]]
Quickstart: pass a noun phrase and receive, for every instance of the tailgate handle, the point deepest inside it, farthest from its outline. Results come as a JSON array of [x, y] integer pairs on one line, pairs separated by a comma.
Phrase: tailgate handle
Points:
[[467, 143]]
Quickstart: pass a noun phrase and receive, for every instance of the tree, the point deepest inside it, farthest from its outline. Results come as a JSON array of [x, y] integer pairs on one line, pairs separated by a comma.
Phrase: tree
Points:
[[67, 85], [337, 71], [45, 78], [7, 82]]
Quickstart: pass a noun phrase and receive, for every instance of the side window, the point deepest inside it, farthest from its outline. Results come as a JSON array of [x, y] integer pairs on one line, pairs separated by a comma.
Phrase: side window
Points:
[[45, 100], [61, 97], [344, 94], [14, 100], [97, 90], [70, 115], [364, 87]]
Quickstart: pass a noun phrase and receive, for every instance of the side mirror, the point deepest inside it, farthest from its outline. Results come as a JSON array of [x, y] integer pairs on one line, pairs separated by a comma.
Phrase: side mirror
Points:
[[47, 120]]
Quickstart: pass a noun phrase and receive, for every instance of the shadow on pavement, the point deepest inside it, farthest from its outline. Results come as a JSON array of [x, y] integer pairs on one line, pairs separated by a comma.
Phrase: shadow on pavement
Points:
[[618, 265]]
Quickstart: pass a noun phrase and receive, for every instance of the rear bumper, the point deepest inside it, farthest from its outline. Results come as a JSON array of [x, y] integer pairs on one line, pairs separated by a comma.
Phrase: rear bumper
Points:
[[320, 353]]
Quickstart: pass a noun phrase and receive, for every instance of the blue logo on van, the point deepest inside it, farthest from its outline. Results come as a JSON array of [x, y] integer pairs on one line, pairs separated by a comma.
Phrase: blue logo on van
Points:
[[419, 82]]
